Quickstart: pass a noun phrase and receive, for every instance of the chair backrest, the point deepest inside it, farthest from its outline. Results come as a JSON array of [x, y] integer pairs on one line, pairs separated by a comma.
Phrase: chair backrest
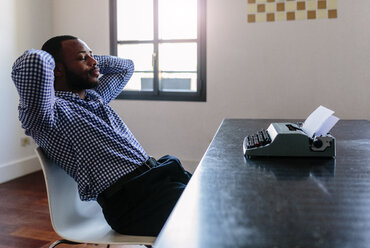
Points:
[[76, 220]]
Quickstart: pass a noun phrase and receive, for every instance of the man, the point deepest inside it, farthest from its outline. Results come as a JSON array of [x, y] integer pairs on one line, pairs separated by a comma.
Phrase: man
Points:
[[64, 93]]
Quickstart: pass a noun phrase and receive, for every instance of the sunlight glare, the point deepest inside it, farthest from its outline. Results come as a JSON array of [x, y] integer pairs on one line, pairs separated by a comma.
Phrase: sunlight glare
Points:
[[177, 18]]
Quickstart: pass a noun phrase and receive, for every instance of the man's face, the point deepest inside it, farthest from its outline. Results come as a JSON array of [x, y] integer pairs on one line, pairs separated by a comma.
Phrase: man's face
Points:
[[81, 70]]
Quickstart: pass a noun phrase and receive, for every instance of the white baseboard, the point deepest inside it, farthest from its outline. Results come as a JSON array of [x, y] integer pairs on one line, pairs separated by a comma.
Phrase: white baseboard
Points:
[[19, 168]]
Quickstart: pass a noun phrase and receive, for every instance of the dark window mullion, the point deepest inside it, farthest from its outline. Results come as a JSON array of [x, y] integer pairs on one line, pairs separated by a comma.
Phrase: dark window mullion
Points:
[[134, 41], [178, 41], [113, 26], [201, 48], [159, 41], [155, 45]]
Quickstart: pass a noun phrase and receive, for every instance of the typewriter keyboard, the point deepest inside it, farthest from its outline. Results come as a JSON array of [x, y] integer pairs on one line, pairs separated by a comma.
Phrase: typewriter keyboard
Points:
[[261, 138]]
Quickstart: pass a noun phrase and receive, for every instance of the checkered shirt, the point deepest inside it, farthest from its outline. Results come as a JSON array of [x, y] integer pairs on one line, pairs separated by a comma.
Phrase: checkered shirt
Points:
[[84, 136]]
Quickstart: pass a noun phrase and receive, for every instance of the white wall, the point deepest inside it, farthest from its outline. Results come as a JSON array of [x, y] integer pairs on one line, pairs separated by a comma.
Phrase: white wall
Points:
[[264, 70], [23, 24], [286, 69]]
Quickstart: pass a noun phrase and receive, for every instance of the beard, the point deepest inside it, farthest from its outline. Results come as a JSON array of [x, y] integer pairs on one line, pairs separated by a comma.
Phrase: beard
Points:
[[77, 82]]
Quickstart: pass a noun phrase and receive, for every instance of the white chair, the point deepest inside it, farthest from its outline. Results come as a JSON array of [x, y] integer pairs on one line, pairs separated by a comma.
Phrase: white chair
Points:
[[74, 220]]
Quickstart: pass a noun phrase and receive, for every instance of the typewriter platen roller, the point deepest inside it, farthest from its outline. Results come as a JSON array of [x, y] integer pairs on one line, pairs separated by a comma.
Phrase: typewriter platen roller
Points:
[[287, 140]]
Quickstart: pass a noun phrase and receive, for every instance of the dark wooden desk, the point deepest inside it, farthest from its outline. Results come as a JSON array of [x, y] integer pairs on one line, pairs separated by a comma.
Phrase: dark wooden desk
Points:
[[234, 202]]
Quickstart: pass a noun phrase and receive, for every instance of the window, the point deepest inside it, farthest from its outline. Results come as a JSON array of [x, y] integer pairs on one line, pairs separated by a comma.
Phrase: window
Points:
[[166, 41]]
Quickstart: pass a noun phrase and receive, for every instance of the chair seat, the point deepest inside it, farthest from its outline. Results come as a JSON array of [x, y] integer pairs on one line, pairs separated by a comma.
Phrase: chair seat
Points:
[[96, 231], [76, 220]]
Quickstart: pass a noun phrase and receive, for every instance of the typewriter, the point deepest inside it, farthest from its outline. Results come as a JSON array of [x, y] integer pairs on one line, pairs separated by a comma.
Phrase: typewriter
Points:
[[287, 140]]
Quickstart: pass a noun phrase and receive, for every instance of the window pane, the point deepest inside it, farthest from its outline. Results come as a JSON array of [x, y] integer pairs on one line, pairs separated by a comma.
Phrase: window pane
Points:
[[141, 55], [177, 66], [178, 56], [177, 19], [140, 81], [135, 20], [174, 81]]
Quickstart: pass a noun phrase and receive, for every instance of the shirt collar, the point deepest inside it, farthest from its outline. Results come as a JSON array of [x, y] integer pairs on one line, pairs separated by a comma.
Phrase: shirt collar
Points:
[[66, 94], [70, 95]]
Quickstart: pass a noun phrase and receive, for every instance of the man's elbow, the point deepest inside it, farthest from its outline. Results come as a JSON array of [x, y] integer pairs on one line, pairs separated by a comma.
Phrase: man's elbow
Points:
[[131, 65]]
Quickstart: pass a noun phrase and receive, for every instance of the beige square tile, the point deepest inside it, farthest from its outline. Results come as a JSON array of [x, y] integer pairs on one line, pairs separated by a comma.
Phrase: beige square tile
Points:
[[261, 17], [261, 1], [252, 8], [300, 15], [290, 6], [280, 16], [270, 7], [332, 4], [311, 5], [322, 14]]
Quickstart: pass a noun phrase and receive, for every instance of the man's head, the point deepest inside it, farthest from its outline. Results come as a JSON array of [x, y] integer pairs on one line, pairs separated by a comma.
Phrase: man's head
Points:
[[75, 68]]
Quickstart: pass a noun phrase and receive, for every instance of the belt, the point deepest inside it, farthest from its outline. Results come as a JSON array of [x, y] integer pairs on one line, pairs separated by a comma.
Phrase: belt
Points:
[[117, 186]]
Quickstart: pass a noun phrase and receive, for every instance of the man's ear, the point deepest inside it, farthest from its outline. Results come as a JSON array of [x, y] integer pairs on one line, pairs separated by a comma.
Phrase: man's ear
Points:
[[59, 70]]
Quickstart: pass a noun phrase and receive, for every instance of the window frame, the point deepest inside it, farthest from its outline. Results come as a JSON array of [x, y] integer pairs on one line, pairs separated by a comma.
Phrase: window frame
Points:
[[156, 94]]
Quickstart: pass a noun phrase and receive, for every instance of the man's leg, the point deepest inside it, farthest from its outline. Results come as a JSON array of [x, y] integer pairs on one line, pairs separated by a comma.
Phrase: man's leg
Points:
[[143, 205]]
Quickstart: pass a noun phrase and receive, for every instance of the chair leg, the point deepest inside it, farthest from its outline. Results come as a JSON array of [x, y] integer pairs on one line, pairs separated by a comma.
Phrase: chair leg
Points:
[[63, 241]]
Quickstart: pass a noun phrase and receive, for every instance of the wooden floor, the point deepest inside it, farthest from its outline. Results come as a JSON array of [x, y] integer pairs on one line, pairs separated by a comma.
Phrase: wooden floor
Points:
[[24, 215]]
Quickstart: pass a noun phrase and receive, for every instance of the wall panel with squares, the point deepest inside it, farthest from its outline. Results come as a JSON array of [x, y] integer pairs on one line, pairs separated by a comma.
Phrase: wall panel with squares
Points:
[[290, 10]]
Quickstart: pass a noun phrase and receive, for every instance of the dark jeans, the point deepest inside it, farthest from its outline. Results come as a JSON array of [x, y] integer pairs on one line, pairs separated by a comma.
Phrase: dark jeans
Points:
[[142, 205]]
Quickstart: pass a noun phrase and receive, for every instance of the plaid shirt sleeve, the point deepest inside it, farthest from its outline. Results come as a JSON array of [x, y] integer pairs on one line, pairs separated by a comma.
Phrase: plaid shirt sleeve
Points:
[[33, 75], [116, 73]]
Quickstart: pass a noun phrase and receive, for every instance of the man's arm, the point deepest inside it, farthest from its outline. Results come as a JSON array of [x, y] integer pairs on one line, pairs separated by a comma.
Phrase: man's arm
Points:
[[116, 73], [33, 76]]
